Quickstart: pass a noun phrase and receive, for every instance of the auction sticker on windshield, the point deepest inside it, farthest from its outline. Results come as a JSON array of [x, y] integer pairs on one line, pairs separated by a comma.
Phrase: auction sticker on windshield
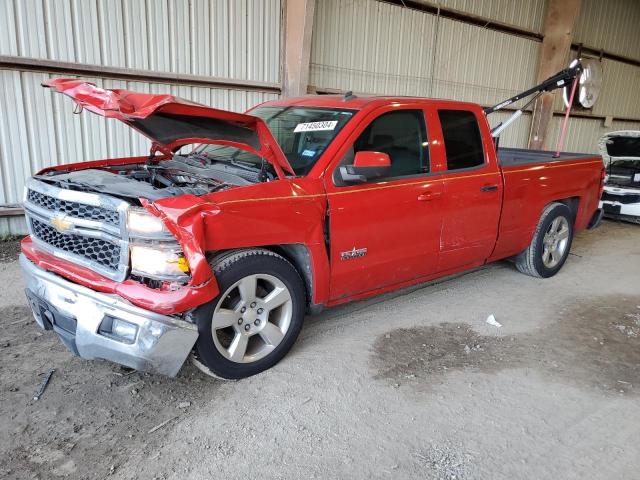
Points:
[[316, 126]]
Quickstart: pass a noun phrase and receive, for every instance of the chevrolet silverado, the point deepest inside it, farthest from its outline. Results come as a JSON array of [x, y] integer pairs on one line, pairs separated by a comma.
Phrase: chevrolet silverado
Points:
[[235, 226]]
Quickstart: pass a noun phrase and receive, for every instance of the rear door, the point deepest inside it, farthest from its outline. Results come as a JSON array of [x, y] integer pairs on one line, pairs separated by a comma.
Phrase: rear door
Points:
[[472, 188], [385, 231]]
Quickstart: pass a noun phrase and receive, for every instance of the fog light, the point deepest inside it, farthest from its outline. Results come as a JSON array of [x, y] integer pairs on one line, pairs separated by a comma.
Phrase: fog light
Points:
[[125, 330], [119, 330]]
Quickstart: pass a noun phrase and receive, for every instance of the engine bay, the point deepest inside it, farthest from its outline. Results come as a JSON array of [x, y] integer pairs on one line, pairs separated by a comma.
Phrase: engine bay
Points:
[[194, 174], [624, 173]]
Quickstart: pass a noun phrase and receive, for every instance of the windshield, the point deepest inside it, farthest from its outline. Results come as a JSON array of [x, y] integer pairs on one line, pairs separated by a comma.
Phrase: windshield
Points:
[[303, 134]]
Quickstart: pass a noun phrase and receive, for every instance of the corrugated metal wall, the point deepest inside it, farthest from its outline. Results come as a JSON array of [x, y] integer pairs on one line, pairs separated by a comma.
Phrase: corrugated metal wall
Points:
[[480, 65], [369, 46], [527, 14], [583, 133], [611, 25], [236, 39], [375, 47]]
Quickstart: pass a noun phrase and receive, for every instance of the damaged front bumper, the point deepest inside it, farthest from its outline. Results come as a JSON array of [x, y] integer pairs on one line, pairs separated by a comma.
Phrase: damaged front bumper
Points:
[[99, 325]]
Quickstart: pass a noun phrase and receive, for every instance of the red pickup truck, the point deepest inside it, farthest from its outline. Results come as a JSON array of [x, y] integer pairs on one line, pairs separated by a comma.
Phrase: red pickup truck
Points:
[[236, 225]]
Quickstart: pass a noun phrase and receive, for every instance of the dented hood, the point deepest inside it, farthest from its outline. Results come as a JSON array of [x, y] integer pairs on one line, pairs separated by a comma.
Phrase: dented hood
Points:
[[171, 122], [621, 145]]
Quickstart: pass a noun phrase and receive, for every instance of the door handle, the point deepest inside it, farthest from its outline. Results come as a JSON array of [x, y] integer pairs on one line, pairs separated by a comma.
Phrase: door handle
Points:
[[489, 188], [428, 196]]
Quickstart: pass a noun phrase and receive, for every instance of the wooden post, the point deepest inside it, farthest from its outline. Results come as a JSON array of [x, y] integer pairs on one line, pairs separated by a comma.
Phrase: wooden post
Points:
[[558, 28], [298, 27]]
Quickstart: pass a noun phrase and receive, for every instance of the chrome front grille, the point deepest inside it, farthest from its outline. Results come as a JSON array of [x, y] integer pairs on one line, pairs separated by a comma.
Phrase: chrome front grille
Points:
[[85, 228], [624, 198], [102, 252], [74, 209]]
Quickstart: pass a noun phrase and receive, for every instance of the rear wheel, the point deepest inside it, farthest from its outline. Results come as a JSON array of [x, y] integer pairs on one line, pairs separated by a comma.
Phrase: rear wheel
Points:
[[551, 243], [257, 317]]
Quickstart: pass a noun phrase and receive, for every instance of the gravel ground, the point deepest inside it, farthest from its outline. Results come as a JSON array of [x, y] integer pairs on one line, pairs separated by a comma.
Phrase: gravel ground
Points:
[[9, 249], [414, 384]]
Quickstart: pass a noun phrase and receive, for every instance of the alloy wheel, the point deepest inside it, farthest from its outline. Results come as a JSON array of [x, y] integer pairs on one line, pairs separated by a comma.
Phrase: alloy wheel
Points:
[[252, 318], [555, 242]]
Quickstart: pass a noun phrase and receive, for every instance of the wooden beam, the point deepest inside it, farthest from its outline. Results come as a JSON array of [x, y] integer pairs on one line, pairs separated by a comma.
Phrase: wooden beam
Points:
[[298, 27], [554, 54]]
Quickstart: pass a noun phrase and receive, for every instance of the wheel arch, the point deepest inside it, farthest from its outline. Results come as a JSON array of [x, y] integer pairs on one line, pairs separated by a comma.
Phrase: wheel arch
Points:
[[572, 202], [308, 265]]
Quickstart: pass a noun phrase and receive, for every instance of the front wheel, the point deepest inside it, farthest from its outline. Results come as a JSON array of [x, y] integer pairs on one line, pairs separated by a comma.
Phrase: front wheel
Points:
[[551, 243], [256, 318]]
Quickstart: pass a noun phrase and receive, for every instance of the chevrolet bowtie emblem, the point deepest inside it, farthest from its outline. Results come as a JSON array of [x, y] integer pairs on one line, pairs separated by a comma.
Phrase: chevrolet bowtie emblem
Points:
[[61, 224]]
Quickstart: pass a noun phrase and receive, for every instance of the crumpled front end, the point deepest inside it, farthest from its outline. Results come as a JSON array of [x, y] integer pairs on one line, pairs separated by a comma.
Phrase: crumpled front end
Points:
[[111, 246], [111, 279]]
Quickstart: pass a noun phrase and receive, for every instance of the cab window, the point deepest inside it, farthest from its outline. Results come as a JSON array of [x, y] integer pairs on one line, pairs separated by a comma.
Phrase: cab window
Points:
[[462, 140]]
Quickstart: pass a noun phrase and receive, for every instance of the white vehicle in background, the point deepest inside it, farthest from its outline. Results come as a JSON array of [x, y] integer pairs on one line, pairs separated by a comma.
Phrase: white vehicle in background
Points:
[[621, 154]]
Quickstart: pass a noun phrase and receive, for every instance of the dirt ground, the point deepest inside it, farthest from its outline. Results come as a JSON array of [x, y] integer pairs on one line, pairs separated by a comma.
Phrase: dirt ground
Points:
[[414, 384]]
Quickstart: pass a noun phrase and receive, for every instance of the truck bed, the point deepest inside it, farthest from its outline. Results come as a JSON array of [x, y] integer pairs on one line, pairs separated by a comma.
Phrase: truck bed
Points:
[[510, 157]]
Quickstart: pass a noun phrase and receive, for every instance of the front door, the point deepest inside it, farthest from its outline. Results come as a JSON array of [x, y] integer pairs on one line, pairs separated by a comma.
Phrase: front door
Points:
[[385, 231]]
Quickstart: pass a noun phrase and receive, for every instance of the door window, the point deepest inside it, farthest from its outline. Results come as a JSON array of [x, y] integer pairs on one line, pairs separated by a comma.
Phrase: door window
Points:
[[462, 140], [402, 135]]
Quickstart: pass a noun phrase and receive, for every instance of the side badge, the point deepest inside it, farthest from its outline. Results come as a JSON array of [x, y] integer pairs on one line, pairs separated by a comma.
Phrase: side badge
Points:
[[351, 254]]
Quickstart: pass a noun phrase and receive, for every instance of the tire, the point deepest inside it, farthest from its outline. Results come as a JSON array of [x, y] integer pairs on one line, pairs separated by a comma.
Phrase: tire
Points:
[[261, 331], [551, 243]]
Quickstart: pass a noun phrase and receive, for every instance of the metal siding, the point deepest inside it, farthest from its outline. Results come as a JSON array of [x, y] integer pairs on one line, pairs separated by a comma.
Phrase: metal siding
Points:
[[526, 14], [30, 28], [369, 46], [480, 65], [8, 34], [611, 25], [619, 95], [374, 47], [38, 128], [237, 39], [583, 133]]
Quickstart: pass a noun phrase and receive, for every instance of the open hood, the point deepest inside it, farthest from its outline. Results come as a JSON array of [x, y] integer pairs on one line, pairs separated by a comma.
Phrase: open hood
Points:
[[171, 122], [621, 145]]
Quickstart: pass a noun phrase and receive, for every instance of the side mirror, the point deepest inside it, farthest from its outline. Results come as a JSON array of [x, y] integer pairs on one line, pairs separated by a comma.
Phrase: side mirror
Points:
[[366, 166]]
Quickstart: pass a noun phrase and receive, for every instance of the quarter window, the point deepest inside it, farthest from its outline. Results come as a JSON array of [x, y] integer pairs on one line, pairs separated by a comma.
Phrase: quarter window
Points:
[[462, 140]]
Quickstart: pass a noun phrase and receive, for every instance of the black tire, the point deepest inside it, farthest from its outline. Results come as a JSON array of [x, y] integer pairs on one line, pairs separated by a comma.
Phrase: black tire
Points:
[[530, 261], [229, 268]]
